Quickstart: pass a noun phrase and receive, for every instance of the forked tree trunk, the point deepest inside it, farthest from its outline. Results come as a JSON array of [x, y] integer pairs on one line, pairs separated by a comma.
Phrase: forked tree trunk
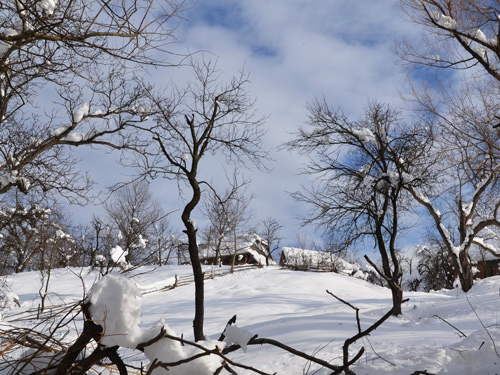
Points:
[[397, 298]]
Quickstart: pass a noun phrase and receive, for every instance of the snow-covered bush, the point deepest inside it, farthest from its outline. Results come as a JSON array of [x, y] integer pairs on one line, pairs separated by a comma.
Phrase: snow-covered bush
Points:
[[115, 305]]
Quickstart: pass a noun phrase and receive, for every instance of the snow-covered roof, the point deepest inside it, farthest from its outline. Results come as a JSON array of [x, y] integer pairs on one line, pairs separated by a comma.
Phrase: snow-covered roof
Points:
[[311, 259], [254, 245]]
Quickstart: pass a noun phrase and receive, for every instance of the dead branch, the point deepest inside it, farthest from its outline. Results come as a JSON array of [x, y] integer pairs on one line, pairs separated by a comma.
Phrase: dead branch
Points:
[[460, 333], [230, 322], [482, 324], [346, 362]]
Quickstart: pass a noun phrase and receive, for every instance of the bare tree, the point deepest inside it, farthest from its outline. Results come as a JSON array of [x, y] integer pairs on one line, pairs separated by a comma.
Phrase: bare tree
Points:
[[437, 267], [34, 235], [363, 168], [458, 35], [227, 214], [162, 242], [133, 212], [206, 118], [464, 203], [462, 35], [83, 55], [269, 230], [214, 209]]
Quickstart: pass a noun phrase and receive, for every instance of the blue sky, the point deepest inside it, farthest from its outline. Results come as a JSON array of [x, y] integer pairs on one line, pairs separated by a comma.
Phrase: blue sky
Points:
[[295, 51]]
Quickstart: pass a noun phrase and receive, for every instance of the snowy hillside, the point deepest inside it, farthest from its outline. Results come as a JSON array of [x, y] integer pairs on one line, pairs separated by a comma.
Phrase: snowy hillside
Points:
[[294, 308]]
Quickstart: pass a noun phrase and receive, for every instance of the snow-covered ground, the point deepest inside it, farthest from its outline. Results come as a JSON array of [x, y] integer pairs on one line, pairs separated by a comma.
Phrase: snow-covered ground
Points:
[[294, 308]]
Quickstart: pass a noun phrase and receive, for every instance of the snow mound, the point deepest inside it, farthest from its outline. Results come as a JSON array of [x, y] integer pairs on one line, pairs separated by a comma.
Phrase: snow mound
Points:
[[116, 306], [236, 335], [167, 350]]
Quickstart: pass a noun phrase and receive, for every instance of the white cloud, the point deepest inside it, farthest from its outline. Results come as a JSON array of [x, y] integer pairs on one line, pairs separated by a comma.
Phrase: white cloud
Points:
[[295, 51]]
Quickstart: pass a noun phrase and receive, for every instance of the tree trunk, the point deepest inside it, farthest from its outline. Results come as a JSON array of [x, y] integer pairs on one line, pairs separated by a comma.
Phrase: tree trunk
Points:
[[198, 283], [397, 298], [195, 261], [466, 276]]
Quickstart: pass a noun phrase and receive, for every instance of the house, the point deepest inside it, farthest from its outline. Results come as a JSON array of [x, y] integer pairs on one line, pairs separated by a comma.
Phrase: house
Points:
[[311, 260], [485, 263], [252, 249]]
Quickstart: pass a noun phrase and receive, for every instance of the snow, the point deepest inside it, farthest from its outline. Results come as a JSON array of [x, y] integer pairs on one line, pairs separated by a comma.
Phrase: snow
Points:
[[8, 300], [365, 135], [49, 6], [447, 22], [142, 242], [118, 255], [60, 130], [75, 137], [167, 350], [100, 259], [10, 32], [115, 305], [480, 36], [237, 335], [81, 112], [291, 307]]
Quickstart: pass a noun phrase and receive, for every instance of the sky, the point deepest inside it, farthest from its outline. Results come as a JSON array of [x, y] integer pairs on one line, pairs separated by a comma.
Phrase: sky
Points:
[[295, 51]]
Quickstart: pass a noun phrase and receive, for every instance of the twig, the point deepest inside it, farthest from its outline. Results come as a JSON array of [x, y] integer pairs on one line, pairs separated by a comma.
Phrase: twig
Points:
[[378, 355], [360, 334], [461, 334], [230, 322], [350, 305], [205, 352], [486, 329], [260, 341]]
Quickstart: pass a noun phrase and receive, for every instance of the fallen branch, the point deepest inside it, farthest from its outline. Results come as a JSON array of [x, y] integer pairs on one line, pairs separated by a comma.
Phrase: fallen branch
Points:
[[482, 324], [460, 333], [345, 348]]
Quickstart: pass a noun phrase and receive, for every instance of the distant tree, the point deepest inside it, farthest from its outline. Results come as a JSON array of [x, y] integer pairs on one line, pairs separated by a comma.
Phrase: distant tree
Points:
[[436, 266], [269, 229], [229, 215], [34, 237], [133, 213], [361, 185], [208, 117], [162, 243]]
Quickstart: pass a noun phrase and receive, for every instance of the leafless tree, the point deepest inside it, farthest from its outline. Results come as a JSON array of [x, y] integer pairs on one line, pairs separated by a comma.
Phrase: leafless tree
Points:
[[464, 204], [83, 55], [34, 237], [462, 35], [206, 118], [162, 242], [458, 35], [436, 266], [363, 168], [269, 230], [227, 213], [133, 212]]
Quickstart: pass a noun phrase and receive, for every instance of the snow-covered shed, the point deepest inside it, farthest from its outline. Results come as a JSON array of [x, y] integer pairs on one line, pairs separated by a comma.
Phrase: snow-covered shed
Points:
[[485, 263], [304, 260], [252, 249]]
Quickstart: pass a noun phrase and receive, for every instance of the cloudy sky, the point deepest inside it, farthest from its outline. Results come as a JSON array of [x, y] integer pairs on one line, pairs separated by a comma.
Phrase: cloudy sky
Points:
[[295, 51]]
